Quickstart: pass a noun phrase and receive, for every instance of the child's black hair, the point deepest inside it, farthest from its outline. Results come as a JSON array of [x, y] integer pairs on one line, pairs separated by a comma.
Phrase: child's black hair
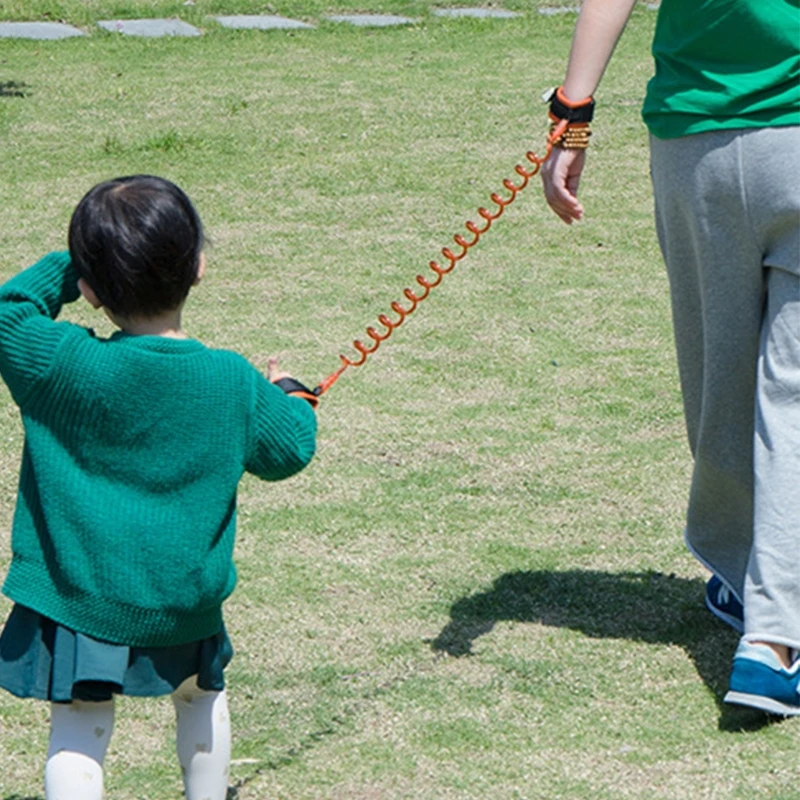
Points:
[[137, 242]]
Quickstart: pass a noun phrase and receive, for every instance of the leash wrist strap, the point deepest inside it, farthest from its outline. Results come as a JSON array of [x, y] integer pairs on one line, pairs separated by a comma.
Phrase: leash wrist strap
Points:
[[562, 108], [297, 389], [577, 116]]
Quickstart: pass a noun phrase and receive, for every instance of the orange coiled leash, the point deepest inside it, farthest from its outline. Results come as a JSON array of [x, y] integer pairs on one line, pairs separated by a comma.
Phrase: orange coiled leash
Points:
[[489, 217]]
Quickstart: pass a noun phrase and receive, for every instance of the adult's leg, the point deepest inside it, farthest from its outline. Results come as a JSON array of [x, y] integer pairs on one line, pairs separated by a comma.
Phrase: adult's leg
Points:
[[772, 589], [79, 737], [203, 740], [715, 268]]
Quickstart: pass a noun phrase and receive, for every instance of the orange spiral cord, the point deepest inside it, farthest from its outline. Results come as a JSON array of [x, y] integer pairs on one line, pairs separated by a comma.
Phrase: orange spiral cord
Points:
[[389, 325]]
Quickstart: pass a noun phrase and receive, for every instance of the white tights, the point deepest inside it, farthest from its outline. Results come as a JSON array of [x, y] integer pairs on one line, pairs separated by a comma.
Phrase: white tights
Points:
[[80, 733]]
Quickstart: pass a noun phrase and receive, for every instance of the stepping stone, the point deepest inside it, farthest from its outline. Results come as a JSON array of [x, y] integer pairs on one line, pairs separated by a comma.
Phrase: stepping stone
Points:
[[149, 27], [37, 30], [371, 20], [264, 22], [549, 12], [494, 13]]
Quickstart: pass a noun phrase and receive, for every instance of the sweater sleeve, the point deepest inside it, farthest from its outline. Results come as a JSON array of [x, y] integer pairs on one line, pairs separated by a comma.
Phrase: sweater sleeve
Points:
[[283, 433], [29, 304]]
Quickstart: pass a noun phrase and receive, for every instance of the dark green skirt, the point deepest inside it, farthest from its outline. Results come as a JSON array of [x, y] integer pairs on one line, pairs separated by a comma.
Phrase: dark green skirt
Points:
[[42, 659]]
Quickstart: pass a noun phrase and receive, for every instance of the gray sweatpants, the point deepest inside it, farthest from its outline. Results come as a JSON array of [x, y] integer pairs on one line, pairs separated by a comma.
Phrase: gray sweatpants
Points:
[[728, 221]]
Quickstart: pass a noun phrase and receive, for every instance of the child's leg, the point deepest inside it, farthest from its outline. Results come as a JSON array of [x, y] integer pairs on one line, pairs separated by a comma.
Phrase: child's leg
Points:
[[79, 737], [204, 740]]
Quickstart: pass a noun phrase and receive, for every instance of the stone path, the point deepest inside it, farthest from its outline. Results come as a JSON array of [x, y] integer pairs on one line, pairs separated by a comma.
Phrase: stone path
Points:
[[37, 30], [149, 27], [176, 27]]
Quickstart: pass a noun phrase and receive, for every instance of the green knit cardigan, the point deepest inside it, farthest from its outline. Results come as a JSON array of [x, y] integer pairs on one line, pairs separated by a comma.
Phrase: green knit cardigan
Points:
[[134, 446]]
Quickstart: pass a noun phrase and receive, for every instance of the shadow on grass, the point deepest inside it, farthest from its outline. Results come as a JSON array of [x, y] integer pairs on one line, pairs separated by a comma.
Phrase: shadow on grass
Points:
[[12, 89], [640, 606]]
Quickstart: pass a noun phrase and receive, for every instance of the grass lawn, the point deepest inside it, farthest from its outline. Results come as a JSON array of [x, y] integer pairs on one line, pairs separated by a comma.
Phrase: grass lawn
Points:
[[478, 589]]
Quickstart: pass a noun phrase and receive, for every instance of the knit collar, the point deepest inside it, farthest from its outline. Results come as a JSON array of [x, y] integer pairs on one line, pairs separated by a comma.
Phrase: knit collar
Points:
[[157, 344]]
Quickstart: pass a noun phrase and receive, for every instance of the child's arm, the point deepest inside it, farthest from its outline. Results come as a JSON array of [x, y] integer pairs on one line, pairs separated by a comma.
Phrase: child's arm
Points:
[[283, 434], [29, 303]]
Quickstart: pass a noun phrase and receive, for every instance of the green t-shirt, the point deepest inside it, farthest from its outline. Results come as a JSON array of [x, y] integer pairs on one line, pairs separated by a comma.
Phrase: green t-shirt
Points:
[[723, 64]]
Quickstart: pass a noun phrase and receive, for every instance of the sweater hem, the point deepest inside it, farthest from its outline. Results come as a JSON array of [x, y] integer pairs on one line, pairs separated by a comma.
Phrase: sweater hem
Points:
[[105, 618]]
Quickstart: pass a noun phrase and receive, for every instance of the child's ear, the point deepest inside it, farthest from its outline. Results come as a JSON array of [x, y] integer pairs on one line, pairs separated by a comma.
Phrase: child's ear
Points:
[[201, 269], [88, 294]]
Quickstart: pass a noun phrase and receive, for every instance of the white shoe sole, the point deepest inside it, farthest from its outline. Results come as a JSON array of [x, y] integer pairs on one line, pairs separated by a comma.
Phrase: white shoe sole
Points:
[[763, 704]]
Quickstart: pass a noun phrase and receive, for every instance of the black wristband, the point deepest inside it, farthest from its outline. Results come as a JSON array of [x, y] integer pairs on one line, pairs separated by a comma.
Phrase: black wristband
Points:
[[561, 108], [293, 387]]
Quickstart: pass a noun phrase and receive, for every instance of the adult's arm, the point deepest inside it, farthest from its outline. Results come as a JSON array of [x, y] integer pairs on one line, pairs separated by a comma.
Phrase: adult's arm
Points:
[[600, 24]]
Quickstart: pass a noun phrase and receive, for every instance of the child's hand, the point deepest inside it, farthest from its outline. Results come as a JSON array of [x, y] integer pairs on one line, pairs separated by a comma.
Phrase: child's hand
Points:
[[285, 382], [274, 374]]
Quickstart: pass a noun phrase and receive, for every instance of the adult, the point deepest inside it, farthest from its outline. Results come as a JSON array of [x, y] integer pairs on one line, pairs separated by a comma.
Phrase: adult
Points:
[[723, 113]]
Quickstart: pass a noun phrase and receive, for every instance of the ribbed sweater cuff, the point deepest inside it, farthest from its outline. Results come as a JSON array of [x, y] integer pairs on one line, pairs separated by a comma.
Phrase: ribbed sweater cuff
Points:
[[50, 283]]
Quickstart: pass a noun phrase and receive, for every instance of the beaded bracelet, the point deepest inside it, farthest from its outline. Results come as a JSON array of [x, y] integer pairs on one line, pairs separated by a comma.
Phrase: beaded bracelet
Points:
[[575, 137]]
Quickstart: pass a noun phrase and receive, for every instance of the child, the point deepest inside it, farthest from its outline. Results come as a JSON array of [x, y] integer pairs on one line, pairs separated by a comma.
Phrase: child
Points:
[[134, 445]]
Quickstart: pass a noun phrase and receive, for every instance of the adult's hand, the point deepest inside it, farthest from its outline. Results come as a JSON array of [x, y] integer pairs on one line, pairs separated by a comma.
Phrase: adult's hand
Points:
[[561, 174]]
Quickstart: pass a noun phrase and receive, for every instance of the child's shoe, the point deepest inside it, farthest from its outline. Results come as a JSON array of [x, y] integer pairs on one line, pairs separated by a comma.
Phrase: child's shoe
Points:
[[722, 603], [759, 680]]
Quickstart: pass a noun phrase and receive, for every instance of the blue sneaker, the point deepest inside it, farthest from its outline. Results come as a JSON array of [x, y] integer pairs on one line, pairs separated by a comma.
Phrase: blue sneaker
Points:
[[723, 603], [759, 680]]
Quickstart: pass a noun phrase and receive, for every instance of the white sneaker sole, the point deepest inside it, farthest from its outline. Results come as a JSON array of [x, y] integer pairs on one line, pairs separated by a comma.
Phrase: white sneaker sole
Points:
[[762, 703]]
